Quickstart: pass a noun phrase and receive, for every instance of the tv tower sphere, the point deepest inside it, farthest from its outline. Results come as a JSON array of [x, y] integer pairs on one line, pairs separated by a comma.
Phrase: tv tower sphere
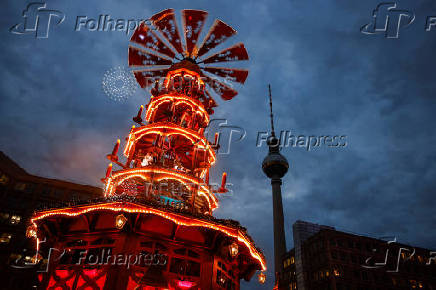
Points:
[[275, 164]]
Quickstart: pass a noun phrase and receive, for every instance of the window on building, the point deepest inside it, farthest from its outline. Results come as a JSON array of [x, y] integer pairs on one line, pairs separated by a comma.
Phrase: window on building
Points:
[[413, 283], [334, 255], [20, 186], [357, 245], [30, 187], [321, 274], [5, 238], [292, 260], [4, 179], [369, 247], [15, 219], [357, 274], [58, 192], [343, 256], [46, 190]]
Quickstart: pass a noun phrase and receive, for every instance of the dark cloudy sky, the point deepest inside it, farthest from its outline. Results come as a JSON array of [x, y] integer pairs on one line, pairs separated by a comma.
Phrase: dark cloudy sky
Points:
[[327, 79]]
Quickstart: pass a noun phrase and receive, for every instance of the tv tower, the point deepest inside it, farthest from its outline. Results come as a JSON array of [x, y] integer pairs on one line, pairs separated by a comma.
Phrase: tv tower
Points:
[[275, 167]]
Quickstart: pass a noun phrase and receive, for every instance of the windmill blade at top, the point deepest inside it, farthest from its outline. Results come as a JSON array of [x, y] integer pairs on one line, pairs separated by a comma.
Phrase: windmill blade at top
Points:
[[232, 74], [226, 92], [218, 33], [234, 53], [145, 37], [193, 22], [147, 77], [139, 57], [158, 46], [165, 21]]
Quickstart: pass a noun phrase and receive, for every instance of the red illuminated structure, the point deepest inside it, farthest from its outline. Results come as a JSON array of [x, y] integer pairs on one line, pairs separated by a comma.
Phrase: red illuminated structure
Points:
[[154, 228]]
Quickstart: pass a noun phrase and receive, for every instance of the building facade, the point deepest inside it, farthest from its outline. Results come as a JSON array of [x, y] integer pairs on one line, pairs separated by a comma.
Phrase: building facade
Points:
[[21, 194], [336, 260]]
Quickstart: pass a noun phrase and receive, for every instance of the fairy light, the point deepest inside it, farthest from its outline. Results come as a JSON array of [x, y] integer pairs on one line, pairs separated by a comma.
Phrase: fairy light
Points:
[[158, 174], [196, 106], [168, 129], [129, 207], [186, 72]]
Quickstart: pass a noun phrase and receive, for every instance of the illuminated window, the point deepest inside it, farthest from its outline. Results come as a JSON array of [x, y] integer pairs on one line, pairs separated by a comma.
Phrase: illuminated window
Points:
[[4, 179], [292, 260], [336, 272], [15, 219], [287, 262], [20, 186], [5, 238], [413, 283]]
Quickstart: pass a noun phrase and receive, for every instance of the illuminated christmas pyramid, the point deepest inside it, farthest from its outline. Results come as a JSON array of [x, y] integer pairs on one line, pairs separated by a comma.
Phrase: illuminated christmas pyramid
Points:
[[154, 228]]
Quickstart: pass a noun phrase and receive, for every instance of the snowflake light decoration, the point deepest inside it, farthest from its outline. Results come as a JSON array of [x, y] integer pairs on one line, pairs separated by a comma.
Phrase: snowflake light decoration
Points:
[[119, 84]]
